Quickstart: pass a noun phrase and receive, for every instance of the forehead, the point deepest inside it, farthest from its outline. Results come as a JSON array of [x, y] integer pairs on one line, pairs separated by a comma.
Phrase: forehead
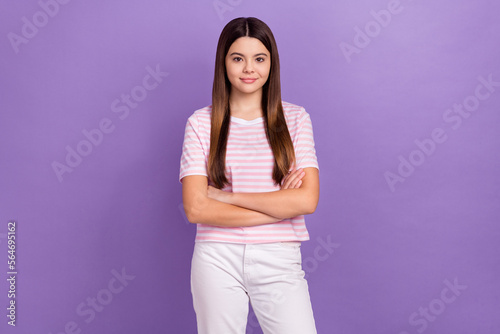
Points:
[[248, 46]]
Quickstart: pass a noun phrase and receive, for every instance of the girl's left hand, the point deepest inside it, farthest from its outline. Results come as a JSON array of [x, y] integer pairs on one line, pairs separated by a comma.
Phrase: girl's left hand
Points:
[[293, 179]]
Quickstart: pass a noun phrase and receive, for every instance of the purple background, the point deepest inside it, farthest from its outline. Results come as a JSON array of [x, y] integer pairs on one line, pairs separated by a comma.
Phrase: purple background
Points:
[[392, 251]]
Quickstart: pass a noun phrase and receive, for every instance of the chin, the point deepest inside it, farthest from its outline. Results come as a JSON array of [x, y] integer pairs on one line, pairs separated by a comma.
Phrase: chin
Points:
[[249, 90]]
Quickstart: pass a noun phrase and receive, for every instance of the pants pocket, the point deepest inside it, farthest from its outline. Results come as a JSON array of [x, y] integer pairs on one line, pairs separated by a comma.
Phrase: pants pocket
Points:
[[289, 244]]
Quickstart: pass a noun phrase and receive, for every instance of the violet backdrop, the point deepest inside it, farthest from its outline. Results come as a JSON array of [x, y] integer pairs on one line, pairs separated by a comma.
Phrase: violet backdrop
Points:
[[404, 97]]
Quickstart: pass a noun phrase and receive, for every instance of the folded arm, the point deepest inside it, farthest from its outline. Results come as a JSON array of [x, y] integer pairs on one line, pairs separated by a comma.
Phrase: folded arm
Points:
[[284, 203], [200, 209]]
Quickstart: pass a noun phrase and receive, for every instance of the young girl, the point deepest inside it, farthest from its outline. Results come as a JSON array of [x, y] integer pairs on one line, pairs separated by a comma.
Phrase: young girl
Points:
[[249, 174]]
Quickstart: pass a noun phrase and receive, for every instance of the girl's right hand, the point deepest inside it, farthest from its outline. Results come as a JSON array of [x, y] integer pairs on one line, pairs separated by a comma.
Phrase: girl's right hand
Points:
[[293, 179]]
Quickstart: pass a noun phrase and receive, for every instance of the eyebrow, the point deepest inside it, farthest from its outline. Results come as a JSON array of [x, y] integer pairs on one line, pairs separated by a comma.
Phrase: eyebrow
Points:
[[239, 54]]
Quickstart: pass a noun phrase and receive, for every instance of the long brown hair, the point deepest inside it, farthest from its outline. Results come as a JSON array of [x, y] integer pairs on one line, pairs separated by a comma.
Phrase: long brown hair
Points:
[[275, 123]]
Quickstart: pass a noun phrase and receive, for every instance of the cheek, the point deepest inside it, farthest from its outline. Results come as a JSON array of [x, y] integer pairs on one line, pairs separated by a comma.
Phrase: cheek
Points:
[[266, 71], [231, 71], [266, 68]]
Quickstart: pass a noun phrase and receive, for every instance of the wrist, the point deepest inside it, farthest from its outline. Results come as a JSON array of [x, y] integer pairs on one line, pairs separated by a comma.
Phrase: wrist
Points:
[[229, 197]]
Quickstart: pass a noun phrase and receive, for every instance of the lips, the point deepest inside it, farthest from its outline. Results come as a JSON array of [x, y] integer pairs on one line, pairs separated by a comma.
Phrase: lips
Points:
[[248, 80]]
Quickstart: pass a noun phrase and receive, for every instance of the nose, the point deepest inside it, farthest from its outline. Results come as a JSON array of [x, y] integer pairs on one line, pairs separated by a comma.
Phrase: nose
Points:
[[248, 67]]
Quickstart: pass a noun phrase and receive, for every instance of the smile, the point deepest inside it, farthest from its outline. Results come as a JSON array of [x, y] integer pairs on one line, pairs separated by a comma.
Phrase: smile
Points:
[[248, 81]]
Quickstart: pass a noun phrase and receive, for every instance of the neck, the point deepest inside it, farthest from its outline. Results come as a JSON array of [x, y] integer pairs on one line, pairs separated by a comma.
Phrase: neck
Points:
[[242, 103]]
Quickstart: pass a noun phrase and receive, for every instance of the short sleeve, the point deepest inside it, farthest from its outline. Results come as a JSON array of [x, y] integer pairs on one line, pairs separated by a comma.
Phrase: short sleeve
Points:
[[193, 158], [305, 152]]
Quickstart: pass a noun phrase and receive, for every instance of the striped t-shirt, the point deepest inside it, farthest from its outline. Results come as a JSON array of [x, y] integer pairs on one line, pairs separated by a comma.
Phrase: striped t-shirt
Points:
[[249, 166]]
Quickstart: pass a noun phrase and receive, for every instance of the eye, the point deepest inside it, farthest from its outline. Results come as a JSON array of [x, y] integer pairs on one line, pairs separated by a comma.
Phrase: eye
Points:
[[260, 59], [237, 58]]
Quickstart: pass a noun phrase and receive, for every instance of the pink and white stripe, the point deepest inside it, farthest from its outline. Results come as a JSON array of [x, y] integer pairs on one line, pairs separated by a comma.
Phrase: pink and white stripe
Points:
[[249, 165]]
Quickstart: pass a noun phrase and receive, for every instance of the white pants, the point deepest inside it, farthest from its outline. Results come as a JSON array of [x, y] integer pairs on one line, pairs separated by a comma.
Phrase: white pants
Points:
[[226, 276]]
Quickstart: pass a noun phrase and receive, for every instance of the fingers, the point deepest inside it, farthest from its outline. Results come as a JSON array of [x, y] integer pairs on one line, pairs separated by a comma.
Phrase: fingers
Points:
[[293, 179]]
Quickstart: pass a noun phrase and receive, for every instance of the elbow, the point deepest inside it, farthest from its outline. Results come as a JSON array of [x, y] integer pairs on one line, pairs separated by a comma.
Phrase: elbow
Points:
[[310, 207], [192, 213], [309, 200], [310, 210], [196, 208], [194, 198]]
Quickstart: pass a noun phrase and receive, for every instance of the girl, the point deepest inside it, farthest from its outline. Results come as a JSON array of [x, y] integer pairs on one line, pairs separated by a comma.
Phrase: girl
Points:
[[249, 174]]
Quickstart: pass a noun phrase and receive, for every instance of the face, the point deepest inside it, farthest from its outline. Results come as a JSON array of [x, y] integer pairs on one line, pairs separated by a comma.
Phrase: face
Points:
[[248, 64]]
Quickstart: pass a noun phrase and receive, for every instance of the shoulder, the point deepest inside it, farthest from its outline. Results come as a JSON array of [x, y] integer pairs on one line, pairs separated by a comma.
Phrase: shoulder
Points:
[[295, 115], [200, 116]]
